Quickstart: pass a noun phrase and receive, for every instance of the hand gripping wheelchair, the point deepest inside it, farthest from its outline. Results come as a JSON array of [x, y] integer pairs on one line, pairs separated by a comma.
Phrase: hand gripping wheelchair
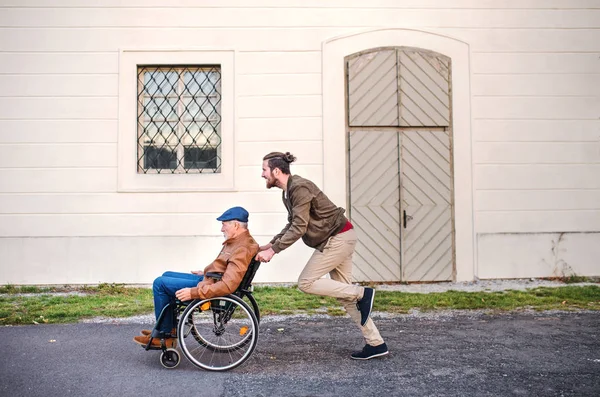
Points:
[[215, 334]]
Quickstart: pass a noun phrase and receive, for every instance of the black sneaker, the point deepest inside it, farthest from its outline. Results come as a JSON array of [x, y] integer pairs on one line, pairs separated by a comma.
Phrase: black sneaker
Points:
[[368, 352], [365, 305]]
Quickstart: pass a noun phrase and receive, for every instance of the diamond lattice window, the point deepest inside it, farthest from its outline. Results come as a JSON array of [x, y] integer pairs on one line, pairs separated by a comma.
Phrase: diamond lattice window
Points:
[[179, 119]]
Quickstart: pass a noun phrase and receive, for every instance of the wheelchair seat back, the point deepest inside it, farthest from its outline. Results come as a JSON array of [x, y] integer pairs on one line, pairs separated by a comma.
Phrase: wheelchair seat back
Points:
[[248, 277]]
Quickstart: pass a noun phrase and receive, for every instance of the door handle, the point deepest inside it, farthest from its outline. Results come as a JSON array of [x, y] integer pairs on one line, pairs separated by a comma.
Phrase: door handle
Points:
[[405, 218]]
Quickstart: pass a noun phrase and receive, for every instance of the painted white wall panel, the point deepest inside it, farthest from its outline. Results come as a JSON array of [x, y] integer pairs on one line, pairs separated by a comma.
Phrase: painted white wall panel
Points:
[[534, 63], [537, 221], [535, 84], [565, 176], [536, 152], [549, 108], [279, 39], [424, 4], [58, 131], [102, 40], [283, 130], [59, 63], [63, 85], [536, 130], [285, 62], [537, 200], [58, 108], [279, 106], [520, 255], [58, 155], [139, 203], [306, 152], [58, 180], [279, 84], [526, 40], [305, 16], [85, 260]]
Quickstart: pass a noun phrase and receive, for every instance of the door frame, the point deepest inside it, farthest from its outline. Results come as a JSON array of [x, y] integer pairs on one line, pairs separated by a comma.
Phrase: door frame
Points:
[[335, 172]]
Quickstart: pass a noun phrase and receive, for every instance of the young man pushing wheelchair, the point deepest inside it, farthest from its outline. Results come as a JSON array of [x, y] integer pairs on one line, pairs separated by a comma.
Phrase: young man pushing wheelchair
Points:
[[322, 226]]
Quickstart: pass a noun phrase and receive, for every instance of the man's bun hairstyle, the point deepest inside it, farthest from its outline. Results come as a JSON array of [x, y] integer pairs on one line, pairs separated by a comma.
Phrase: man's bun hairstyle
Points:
[[280, 160]]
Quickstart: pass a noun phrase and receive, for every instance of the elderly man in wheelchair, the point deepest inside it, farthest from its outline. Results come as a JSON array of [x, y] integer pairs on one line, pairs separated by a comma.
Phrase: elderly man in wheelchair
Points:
[[212, 314]]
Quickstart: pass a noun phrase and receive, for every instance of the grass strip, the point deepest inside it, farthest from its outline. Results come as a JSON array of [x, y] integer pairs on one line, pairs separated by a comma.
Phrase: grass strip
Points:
[[114, 301]]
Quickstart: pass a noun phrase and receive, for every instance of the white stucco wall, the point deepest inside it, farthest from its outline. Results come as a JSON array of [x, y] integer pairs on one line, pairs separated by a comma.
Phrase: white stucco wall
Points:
[[531, 141]]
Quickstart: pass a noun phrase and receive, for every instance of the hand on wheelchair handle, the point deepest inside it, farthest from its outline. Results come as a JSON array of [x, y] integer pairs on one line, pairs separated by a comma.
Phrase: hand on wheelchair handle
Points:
[[266, 255]]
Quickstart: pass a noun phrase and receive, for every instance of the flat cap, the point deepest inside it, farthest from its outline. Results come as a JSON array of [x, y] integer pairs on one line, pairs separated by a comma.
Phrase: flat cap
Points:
[[234, 214]]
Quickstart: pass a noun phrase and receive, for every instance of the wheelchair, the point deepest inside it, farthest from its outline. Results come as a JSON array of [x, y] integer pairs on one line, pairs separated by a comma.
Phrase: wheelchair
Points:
[[215, 334]]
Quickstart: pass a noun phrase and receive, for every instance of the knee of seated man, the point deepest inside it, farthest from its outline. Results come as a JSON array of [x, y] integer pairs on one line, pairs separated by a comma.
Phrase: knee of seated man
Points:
[[158, 282]]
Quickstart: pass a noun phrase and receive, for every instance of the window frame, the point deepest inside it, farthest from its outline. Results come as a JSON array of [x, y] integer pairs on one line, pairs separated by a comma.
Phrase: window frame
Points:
[[179, 126], [129, 180]]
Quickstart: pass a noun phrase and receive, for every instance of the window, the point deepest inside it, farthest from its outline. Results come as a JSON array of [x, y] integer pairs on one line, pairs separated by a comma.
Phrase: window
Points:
[[176, 120], [179, 118]]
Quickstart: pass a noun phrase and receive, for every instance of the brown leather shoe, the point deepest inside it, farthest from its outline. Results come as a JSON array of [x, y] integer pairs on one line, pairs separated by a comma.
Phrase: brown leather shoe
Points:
[[147, 332], [144, 339]]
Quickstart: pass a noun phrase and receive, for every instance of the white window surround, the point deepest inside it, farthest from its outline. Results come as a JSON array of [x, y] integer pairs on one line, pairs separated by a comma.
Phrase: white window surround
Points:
[[334, 126], [129, 180]]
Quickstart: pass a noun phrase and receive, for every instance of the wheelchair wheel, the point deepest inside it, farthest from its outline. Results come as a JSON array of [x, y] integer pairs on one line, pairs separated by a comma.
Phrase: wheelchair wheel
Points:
[[218, 334], [170, 358]]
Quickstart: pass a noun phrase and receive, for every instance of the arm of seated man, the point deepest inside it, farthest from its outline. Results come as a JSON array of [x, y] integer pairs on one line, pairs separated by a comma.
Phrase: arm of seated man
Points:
[[237, 265], [185, 294]]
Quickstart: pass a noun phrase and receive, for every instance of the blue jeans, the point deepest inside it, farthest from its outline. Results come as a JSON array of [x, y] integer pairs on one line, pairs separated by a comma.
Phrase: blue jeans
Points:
[[164, 289]]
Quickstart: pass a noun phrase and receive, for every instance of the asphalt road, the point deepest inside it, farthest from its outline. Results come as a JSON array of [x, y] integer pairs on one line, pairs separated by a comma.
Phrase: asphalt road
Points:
[[551, 354]]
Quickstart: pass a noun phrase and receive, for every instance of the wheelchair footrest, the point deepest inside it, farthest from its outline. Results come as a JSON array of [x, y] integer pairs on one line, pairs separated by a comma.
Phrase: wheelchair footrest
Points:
[[162, 346]]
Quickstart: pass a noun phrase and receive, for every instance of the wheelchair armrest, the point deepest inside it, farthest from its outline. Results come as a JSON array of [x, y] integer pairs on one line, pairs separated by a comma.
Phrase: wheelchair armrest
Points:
[[216, 276]]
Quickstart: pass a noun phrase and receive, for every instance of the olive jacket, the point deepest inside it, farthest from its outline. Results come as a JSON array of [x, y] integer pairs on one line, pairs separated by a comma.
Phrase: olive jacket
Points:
[[311, 216]]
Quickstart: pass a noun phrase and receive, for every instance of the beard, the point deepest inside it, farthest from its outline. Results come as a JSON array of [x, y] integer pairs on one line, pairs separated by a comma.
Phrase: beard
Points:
[[271, 183]]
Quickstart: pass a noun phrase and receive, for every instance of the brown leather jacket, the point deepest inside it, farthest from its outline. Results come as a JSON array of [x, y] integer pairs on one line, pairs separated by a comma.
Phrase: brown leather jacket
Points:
[[311, 215], [233, 261]]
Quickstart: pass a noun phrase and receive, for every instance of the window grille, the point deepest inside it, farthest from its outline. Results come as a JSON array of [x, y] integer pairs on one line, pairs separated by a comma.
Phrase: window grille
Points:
[[179, 119]]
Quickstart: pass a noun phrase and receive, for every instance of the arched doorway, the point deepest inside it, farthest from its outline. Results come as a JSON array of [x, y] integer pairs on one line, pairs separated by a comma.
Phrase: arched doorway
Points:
[[336, 170], [400, 164]]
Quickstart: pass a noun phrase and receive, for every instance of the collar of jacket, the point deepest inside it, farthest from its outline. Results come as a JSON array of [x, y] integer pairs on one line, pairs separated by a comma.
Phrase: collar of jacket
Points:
[[290, 181]]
